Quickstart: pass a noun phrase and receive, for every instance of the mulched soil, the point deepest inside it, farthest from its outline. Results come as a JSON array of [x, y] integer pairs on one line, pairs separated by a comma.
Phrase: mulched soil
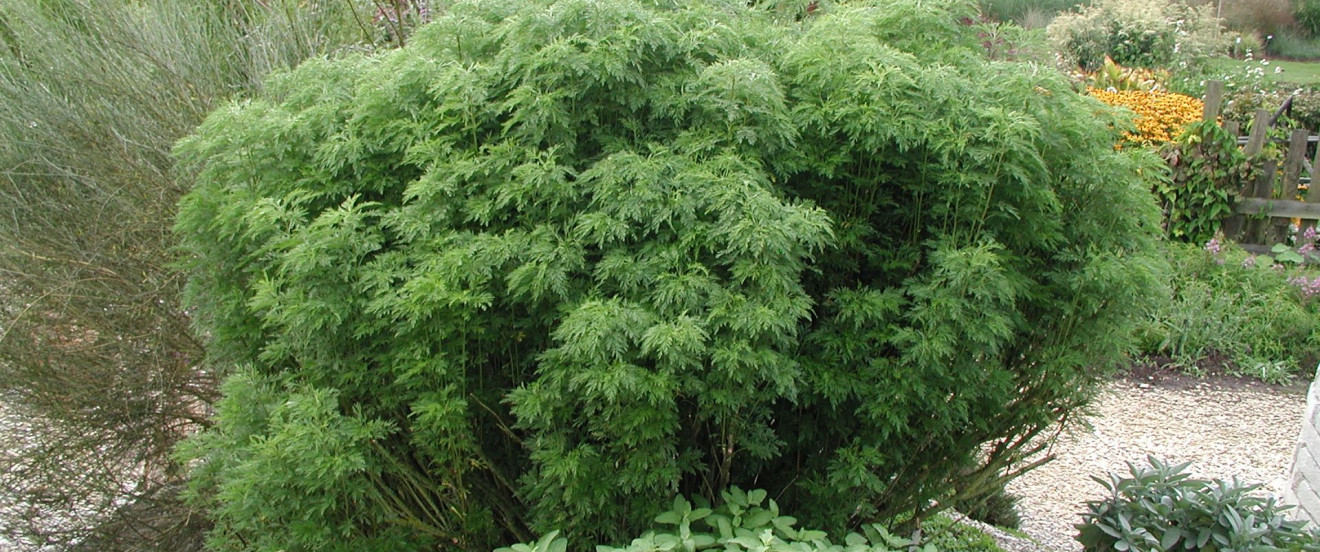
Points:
[[1216, 370]]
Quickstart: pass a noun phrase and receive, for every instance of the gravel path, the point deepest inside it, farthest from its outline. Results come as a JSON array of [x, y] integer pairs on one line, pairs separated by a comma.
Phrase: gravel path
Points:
[[10, 442], [1225, 427]]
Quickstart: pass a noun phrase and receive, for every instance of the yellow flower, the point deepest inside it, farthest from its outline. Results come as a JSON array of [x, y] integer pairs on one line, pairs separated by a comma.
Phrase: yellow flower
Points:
[[1161, 116]]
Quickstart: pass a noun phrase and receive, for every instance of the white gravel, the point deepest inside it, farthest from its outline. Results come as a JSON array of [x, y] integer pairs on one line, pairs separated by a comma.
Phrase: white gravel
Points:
[[1225, 428], [10, 442]]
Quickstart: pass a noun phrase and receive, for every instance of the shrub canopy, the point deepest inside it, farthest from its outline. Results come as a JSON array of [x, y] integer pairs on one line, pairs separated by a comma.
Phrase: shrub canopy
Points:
[[1140, 33], [554, 262]]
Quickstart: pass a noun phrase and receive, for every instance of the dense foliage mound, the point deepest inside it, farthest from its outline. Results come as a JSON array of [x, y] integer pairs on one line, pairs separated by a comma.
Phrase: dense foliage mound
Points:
[[554, 262]]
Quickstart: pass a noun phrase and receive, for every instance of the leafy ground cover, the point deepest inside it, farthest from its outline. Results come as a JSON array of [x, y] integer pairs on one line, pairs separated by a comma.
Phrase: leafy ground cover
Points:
[[1231, 311], [1162, 507]]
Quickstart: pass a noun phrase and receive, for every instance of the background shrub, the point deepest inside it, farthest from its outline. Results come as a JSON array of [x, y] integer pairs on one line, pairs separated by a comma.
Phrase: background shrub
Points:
[[1162, 508], [1262, 17], [1140, 33], [1307, 15], [1022, 11], [1293, 44], [553, 260], [1241, 106]]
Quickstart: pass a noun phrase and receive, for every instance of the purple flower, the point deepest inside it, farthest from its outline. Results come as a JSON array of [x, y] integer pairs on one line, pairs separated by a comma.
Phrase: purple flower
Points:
[[1309, 234], [1249, 262], [1213, 246], [1310, 287]]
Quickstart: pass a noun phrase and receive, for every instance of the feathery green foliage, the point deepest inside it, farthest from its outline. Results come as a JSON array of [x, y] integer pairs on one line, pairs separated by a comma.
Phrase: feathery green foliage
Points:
[[555, 261]]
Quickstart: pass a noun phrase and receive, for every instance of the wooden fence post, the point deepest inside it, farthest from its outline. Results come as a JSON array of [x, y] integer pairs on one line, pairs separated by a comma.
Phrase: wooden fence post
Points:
[[1237, 227], [1310, 191], [1263, 188], [1214, 100], [1260, 128], [1292, 175], [1259, 218]]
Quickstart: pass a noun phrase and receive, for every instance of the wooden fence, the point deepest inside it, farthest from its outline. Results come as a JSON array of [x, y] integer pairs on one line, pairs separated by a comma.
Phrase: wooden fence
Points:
[[1266, 208]]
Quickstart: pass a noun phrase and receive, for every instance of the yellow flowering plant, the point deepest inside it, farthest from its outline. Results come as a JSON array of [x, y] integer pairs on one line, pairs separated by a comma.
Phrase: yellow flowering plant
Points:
[[1161, 115]]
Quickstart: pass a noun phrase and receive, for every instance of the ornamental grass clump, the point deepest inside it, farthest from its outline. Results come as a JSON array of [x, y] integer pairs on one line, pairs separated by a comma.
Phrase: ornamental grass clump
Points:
[[553, 263], [96, 357]]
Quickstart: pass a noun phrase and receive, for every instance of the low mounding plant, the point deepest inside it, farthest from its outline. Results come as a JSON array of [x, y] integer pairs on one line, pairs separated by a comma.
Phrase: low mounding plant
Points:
[[555, 259], [949, 532], [1162, 508]]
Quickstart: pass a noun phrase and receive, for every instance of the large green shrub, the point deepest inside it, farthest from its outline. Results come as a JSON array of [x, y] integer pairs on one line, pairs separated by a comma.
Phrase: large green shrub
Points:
[[555, 260]]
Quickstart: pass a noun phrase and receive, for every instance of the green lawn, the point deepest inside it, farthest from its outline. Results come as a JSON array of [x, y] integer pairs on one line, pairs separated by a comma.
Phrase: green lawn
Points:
[[1301, 72]]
